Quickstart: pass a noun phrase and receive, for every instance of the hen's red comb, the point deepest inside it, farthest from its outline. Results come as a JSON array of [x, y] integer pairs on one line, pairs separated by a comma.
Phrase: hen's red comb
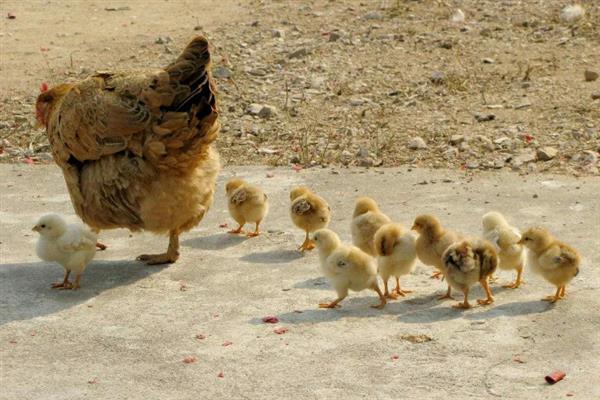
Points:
[[44, 87]]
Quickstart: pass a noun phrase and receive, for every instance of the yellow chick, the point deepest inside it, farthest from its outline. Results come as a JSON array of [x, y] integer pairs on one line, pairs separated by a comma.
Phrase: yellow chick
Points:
[[346, 267], [505, 237], [557, 262], [468, 262], [396, 256], [433, 240], [247, 203], [72, 246], [366, 220], [309, 212]]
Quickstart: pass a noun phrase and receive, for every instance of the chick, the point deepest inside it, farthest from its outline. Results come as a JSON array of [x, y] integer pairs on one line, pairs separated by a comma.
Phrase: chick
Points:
[[72, 246], [468, 262], [346, 267], [433, 240], [396, 255], [557, 262], [309, 212], [366, 220], [505, 237], [247, 203]]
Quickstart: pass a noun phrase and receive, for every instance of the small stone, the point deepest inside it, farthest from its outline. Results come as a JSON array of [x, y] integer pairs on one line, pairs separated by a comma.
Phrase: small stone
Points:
[[572, 13], [590, 76], [595, 95], [522, 159], [589, 157], [267, 111], [366, 162], [299, 53], [372, 15], [198, 28], [456, 139], [221, 72], [317, 82], [446, 45], [4, 125], [488, 60], [357, 102], [479, 117], [335, 36], [363, 152], [437, 77], [546, 153], [458, 16], [20, 119], [450, 153], [417, 143], [535, 196], [254, 109], [472, 165], [277, 33]]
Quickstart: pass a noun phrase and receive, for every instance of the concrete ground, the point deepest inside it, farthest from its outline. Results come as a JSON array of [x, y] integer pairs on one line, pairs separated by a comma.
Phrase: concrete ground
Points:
[[125, 334]]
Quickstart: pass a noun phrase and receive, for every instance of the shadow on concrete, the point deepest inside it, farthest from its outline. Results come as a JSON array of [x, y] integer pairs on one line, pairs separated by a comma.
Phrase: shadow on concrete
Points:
[[26, 291], [218, 241], [512, 309], [272, 257], [319, 283]]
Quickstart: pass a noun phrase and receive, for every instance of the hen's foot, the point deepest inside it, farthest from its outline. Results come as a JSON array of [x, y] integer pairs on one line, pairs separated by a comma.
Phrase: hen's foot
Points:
[[62, 285], [402, 292], [513, 285], [393, 295], [153, 259], [101, 246]]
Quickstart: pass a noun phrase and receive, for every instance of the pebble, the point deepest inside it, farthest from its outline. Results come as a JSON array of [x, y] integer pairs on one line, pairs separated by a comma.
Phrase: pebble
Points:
[[373, 15], [484, 117], [450, 152], [590, 76], [417, 143], [299, 53], [546, 153], [163, 40], [472, 165], [254, 109], [277, 33], [456, 139], [595, 95], [334, 36], [572, 13], [522, 158], [221, 72], [267, 111], [357, 102], [488, 61], [366, 162], [437, 77], [458, 16]]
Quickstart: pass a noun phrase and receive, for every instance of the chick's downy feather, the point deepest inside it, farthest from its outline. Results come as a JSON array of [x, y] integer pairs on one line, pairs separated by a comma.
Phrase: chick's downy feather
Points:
[[366, 220]]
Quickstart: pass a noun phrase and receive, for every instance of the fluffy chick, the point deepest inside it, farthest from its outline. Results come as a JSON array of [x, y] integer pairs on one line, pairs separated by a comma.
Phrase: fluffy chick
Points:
[[433, 240], [247, 203], [70, 245], [505, 237], [366, 220], [396, 256], [468, 262], [309, 212], [557, 262], [346, 267]]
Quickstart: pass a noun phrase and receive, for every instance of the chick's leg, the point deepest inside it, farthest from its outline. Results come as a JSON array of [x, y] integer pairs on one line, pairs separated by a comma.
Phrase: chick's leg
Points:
[[256, 231], [556, 297], [238, 229], [386, 292], [382, 302], [75, 284], [341, 292], [436, 275], [169, 257], [100, 246], [518, 281], [64, 283], [490, 298], [448, 294], [563, 292], [399, 291], [307, 244], [465, 304]]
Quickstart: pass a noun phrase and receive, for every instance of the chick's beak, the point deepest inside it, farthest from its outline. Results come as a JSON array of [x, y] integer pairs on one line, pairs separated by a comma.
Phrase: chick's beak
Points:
[[521, 241], [36, 228], [414, 227]]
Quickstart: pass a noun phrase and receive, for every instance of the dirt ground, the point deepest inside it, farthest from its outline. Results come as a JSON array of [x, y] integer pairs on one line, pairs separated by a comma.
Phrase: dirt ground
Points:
[[350, 83]]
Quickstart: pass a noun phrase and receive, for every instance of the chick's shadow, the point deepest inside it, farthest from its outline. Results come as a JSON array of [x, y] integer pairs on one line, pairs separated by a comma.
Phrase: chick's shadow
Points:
[[218, 241], [26, 291], [272, 257]]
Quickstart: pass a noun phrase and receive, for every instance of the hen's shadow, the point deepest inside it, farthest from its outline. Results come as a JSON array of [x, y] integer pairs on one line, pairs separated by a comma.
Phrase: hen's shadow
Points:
[[26, 291], [218, 241]]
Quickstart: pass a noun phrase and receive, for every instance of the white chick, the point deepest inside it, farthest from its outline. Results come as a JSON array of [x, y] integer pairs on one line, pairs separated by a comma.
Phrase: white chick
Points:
[[346, 267], [506, 239], [396, 255], [71, 245]]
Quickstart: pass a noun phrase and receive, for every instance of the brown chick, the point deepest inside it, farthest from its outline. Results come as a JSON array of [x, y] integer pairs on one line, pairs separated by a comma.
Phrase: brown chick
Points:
[[468, 262], [136, 148], [346, 267], [247, 203], [309, 212], [366, 220], [433, 240], [557, 262]]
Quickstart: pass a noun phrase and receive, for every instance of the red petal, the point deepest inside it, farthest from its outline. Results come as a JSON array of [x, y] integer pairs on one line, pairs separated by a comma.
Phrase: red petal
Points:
[[270, 319], [280, 331], [227, 343], [189, 359], [221, 375]]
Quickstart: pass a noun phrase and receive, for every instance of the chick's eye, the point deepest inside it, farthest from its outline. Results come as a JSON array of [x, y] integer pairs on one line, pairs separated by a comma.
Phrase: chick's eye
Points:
[[43, 225]]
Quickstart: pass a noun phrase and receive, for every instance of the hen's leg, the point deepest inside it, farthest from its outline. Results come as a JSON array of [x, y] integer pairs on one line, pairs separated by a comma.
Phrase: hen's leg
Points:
[[382, 300], [169, 257], [490, 298], [64, 283], [256, 231]]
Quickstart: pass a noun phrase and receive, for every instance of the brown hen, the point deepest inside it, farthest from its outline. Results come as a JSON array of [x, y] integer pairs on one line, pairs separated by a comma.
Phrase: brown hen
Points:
[[136, 148]]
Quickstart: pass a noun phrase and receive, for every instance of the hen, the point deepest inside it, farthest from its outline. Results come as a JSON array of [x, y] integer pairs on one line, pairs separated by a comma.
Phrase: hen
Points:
[[136, 148]]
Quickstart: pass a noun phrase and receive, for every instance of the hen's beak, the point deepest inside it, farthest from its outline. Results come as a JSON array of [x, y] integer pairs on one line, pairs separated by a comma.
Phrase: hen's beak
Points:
[[36, 228]]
